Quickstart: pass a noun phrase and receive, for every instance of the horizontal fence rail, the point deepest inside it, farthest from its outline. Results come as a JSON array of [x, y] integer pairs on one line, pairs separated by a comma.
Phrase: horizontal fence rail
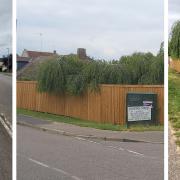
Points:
[[175, 64], [108, 106]]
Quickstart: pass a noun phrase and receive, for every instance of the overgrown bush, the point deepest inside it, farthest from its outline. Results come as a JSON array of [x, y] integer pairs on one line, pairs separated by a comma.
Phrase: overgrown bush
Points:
[[74, 76]]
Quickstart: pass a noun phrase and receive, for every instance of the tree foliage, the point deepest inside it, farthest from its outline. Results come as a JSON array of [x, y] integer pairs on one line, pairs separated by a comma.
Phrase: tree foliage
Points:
[[174, 41], [74, 76]]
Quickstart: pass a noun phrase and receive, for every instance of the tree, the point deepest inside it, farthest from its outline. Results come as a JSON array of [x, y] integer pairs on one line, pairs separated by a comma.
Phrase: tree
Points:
[[68, 74], [174, 41]]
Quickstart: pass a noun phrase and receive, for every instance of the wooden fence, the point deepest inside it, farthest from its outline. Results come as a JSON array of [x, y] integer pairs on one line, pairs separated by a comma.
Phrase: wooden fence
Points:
[[175, 64], [108, 106]]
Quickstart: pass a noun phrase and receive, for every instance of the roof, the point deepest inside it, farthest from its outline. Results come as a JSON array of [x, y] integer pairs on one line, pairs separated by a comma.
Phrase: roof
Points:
[[30, 71], [35, 54], [24, 59]]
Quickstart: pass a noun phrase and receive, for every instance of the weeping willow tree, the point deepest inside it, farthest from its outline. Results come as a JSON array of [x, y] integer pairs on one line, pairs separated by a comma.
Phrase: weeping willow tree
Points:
[[68, 74], [62, 74], [51, 77], [174, 41], [137, 65], [157, 68]]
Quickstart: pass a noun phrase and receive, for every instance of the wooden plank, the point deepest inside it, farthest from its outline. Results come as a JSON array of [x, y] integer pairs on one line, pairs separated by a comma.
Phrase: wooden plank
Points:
[[94, 106]]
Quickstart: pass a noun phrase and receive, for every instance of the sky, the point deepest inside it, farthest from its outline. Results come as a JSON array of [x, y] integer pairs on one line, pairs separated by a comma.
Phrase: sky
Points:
[[5, 26], [107, 29], [174, 12]]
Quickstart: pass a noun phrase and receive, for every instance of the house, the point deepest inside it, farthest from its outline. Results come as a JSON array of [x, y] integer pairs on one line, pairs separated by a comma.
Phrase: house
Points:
[[28, 56], [22, 61], [35, 54]]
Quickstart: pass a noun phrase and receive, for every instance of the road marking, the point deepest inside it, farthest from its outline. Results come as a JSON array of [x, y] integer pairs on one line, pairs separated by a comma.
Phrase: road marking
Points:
[[140, 155], [75, 178], [60, 170], [79, 138], [116, 148], [134, 152], [112, 147], [83, 139], [52, 168], [120, 148], [39, 163], [6, 124], [93, 142]]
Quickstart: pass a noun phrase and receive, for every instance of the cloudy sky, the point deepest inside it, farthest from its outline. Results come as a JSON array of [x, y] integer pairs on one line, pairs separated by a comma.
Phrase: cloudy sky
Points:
[[174, 12], [106, 28], [5, 26]]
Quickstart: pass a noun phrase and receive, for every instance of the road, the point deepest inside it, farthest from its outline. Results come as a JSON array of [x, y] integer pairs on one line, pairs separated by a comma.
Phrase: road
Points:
[[45, 156], [6, 96], [5, 155], [5, 140]]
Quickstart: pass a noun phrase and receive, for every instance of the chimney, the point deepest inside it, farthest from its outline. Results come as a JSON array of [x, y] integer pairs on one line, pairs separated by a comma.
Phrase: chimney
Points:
[[81, 53], [54, 51]]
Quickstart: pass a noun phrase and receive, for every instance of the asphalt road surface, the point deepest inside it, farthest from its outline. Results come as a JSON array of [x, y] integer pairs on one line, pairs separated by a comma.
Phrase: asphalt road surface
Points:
[[5, 140], [5, 155], [45, 156], [6, 96]]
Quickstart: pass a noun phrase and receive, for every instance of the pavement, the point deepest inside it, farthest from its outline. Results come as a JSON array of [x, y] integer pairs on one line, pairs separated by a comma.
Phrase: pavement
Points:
[[174, 157], [44, 156], [5, 155], [86, 132]]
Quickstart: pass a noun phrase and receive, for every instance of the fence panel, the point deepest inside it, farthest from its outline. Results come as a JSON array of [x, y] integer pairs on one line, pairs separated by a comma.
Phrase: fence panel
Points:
[[107, 106], [175, 64]]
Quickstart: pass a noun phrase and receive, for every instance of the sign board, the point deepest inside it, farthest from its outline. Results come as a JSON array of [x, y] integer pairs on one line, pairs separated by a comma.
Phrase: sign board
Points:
[[141, 107], [139, 113]]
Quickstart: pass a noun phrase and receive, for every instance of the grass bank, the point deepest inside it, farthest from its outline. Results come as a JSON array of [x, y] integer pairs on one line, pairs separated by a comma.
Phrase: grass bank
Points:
[[174, 102], [83, 123]]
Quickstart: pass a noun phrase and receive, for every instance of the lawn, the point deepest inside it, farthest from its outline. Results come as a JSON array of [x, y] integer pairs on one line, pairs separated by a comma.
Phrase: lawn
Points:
[[174, 101], [83, 123]]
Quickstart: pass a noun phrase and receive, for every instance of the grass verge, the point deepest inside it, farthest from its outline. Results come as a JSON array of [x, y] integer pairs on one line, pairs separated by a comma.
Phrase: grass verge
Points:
[[6, 73], [91, 124], [174, 102]]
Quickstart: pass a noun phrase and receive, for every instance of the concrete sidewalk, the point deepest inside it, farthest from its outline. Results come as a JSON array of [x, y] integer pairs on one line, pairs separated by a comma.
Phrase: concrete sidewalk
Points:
[[174, 156], [86, 132]]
